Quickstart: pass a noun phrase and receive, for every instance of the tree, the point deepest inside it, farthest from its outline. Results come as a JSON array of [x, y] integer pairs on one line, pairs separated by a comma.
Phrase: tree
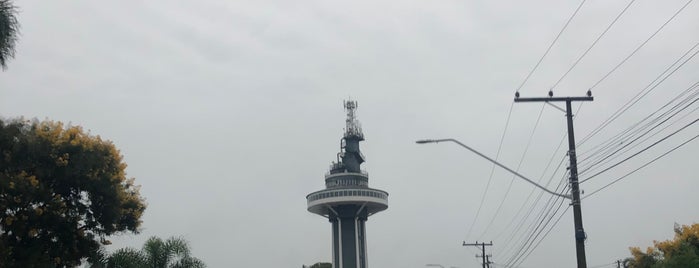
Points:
[[9, 29], [680, 252], [156, 253], [642, 259], [62, 193], [322, 265]]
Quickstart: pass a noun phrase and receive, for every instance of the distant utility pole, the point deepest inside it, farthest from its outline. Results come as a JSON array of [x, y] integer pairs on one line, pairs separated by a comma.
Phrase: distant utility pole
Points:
[[482, 245], [487, 259], [575, 189], [621, 264]]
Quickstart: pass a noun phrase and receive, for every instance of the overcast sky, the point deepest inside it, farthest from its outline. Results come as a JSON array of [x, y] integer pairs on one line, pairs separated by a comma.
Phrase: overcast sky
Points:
[[229, 112]]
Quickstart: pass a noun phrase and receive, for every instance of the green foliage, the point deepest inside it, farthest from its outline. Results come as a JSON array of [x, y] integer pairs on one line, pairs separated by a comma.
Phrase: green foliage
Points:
[[156, 253], [322, 265], [680, 252], [9, 29], [62, 192]]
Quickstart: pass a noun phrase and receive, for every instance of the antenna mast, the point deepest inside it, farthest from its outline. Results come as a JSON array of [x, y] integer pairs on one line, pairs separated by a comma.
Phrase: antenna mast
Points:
[[353, 128]]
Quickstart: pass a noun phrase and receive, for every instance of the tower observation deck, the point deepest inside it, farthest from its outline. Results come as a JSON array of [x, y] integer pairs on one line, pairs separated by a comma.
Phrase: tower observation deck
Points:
[[347, 201]]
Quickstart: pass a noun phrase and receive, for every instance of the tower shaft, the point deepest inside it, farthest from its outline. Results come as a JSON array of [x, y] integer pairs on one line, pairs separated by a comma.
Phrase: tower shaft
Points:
[[349, 236]]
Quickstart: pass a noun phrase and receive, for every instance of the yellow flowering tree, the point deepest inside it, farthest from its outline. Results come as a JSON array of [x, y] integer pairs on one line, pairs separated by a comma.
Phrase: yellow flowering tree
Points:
[[62, 193], [680, 252]]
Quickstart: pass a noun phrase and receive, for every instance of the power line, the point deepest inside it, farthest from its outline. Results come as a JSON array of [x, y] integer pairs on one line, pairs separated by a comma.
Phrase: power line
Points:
[[640, 126], [659, 131], [527, 244], [633, 142], [636, 98], [620, 137], [525, 249], [531, 208], [516, 244], [593, 43], [580, 235], [545, 235], [550, 46], [540, 216], [641, 151], [521, 208], [521, 160], [640, 46], [507, 122], [510, 112], [603, 265], [492, 171], [643, 166]]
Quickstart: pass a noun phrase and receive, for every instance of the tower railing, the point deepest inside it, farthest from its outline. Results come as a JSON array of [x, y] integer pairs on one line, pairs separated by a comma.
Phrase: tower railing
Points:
[[363, 172]]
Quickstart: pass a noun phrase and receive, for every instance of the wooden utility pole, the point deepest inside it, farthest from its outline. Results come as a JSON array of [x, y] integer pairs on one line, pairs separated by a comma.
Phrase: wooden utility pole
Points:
[[487, 259], [580, 235], [482, 245]]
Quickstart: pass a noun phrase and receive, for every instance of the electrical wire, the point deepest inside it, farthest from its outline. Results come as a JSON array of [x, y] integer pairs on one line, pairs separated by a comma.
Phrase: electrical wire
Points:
[[521, 160], [620, 137], [641, 151], [530, 212], [565, 26], [492, 171], [519, 237], [640, 46], [633, 142], [527, 244], [642, 166], [640, 126], [637, 97], [550, 46], [537, 232], [536, 66], [531, 208], [602, 265], [521, 208], [593, 43], [546, 234], [647, 138], [524, 252]]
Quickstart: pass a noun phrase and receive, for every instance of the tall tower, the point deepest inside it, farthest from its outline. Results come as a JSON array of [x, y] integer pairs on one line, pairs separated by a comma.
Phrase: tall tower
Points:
[[347, 201]]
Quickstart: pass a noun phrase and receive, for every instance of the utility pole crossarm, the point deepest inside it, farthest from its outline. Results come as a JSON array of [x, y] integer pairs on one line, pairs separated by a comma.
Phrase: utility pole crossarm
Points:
[[554, 99], [482, 245]]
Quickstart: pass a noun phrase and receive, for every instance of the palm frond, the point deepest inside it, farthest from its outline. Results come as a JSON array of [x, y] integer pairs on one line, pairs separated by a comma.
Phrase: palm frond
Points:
[[126, 258], [9, 31]]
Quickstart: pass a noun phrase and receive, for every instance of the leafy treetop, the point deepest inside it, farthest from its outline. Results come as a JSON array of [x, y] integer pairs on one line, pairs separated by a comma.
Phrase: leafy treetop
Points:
[[62, 192], [680, 252]]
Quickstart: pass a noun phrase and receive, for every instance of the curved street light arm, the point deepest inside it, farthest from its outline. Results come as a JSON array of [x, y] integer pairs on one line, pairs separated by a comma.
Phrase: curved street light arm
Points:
[[496, 163]]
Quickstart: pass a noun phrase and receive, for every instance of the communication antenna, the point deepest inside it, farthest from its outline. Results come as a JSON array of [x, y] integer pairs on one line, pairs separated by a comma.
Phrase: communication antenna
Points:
[[353, 127]]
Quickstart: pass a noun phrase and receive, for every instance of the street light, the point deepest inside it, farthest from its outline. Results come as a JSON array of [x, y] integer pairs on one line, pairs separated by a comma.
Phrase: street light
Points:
[[496, 163]]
